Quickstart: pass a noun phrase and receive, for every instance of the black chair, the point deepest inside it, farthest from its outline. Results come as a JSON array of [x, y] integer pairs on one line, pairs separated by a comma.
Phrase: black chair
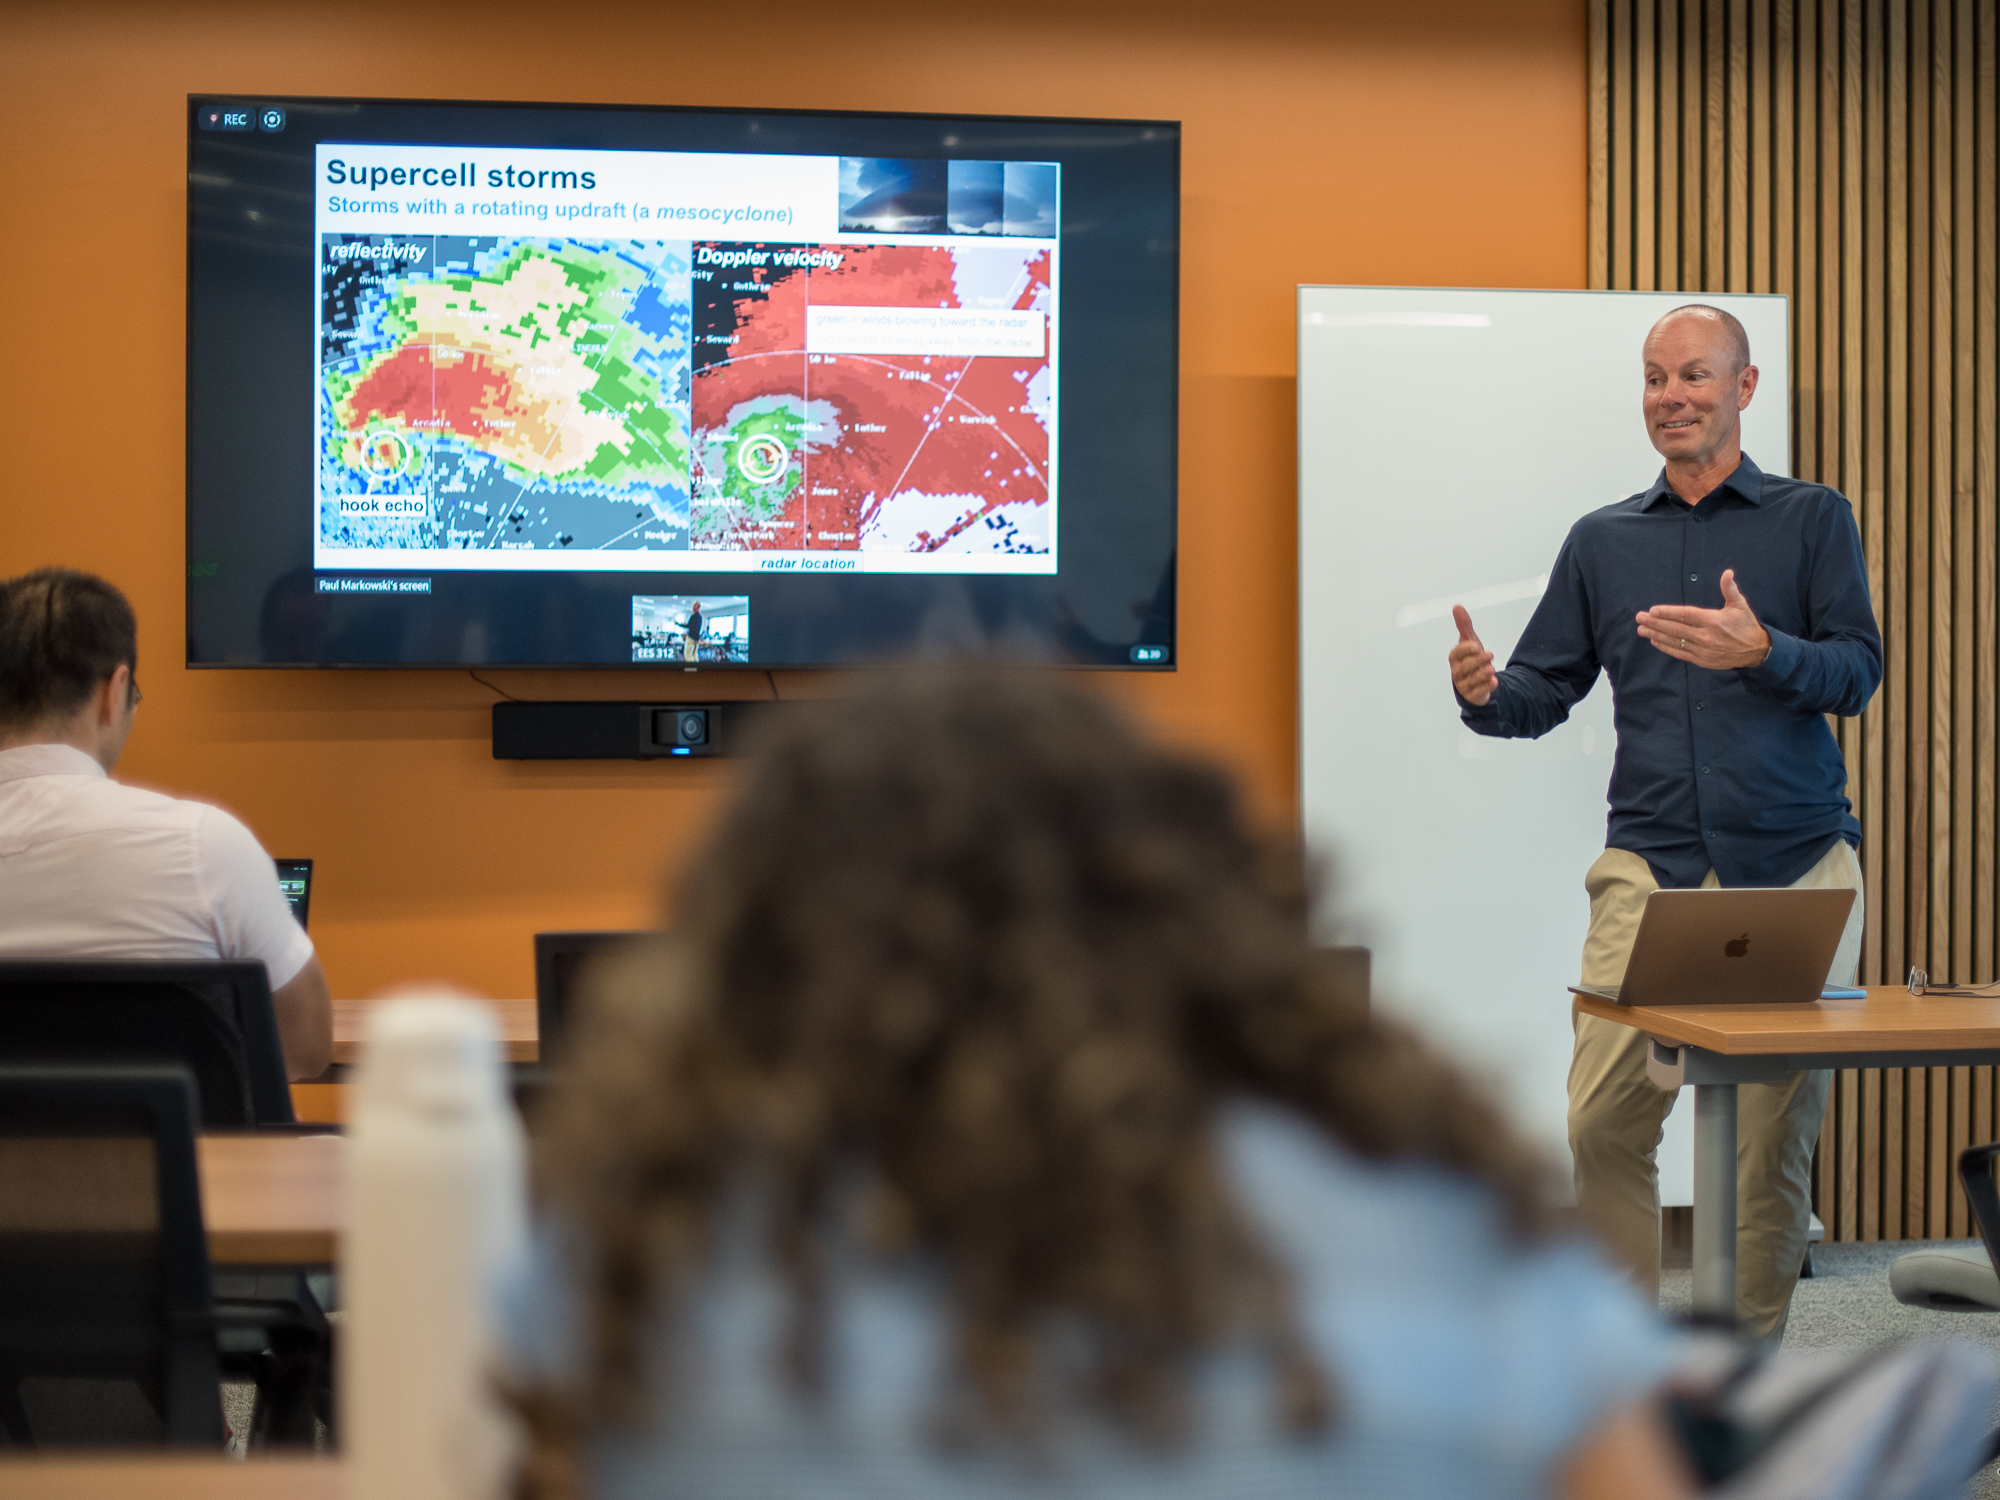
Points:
[[272, 1331], [1982, 1195], [114, 1329], [106, 1311], [1959, 1280], [562, 959], [214, 1019]]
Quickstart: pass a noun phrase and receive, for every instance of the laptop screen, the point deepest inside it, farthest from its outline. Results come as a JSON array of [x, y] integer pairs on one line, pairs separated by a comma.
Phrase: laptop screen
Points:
[[295, 878], [561, 960]]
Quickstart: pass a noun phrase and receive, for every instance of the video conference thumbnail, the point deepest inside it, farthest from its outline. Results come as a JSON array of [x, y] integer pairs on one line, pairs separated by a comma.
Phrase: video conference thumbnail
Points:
[[705, 629]]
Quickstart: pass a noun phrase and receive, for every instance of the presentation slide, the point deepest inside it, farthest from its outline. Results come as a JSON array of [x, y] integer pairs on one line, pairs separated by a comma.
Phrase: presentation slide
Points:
[[645, 361]]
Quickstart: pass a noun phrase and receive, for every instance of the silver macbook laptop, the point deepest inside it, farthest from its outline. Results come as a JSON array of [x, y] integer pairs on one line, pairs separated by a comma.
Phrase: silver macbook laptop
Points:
[[1731, 947]]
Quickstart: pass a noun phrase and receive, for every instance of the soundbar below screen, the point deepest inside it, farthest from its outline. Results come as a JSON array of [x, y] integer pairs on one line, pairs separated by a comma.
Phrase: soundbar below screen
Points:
[[555, 385]]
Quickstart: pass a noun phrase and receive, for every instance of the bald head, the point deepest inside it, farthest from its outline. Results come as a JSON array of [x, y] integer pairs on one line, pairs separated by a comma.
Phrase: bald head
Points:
[[1724, 325], [1698, 380]]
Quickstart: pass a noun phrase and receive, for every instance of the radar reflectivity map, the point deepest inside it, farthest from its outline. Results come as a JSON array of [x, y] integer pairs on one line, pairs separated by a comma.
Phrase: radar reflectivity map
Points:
[[503, 393]]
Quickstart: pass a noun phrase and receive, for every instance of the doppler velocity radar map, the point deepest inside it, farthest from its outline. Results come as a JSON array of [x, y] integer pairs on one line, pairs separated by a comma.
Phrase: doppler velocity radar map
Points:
[[933, 452], [872, 391]]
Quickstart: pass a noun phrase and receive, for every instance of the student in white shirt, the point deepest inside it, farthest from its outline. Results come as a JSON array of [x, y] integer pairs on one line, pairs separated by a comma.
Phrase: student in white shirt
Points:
[[92, 868]]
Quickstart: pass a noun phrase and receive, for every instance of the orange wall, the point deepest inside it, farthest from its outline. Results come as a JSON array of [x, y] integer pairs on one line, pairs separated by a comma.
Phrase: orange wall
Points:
[[1426, 142]]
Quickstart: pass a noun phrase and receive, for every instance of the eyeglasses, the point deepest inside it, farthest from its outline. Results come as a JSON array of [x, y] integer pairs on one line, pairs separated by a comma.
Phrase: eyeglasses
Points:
[[1920, 984]]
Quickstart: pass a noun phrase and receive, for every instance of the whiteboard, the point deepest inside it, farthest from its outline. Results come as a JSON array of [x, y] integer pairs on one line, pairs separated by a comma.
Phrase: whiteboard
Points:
[[1447, 441]]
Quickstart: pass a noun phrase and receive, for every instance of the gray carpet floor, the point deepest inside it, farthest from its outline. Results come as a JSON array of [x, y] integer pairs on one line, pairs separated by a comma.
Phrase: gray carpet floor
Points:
[[1846, 1305]]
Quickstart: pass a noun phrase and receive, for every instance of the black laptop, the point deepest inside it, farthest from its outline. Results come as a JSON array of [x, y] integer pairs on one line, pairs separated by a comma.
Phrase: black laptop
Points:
[[295, 879]]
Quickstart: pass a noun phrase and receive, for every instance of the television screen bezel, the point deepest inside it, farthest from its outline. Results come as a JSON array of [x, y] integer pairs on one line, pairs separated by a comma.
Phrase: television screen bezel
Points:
[[1171, 583]]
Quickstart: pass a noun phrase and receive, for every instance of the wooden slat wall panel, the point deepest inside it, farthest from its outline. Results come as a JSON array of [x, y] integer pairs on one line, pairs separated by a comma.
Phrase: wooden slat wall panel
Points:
[[1601, 91], [1853, 480], [1645, 156], [1714, 145], [1874, 498], [1844, 152], [1760, 154], [1895, 692], [1737, 141], [1666, 128], [1799, 276], [1986, 403], [1959, 426]]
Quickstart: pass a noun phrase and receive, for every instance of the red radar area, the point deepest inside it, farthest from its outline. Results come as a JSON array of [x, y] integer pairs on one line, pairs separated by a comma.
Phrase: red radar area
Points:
[[893, 436], [438, 388], [889, 276]]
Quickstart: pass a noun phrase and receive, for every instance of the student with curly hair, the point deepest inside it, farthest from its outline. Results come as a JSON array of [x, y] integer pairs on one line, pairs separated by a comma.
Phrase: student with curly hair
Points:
[[991, 1126]]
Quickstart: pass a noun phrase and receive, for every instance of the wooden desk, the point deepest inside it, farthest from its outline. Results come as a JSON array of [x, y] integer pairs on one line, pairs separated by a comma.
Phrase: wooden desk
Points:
[[272, 1199], [324, 1101], [171, 1478], [1717, 1047], [518, 1029]]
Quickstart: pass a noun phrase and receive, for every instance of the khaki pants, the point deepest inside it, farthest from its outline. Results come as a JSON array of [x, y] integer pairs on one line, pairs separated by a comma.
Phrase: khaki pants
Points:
[[1617, 1116]]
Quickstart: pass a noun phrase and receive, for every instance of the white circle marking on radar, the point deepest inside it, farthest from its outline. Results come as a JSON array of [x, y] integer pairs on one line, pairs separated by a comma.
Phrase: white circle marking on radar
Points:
[[762, 458]]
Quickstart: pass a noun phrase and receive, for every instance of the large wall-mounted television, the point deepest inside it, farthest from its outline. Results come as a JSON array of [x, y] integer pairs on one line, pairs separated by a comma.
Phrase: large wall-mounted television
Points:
[[476, 384]]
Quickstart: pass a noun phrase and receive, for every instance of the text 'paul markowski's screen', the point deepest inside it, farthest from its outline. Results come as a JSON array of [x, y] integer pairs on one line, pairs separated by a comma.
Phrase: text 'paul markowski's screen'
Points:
[[654, 361]]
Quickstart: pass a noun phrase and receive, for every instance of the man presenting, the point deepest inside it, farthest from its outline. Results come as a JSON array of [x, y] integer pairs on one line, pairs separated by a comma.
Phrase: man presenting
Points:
[[1730, 610], [90, 868]]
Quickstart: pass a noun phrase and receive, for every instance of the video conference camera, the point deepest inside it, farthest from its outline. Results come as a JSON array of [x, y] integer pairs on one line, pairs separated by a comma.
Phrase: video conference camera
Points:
[[619, 731]]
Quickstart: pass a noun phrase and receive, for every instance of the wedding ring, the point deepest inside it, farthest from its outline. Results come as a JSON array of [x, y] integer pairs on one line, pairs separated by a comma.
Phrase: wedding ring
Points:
[[1684, 643]]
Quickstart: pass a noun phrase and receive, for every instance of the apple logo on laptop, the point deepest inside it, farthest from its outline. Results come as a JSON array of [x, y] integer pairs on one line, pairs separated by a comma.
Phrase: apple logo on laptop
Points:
[[1736, 947]]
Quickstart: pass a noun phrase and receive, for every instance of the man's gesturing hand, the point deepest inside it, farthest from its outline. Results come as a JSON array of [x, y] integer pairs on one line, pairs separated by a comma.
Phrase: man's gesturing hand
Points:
[[1714, 638], [1472, 671]]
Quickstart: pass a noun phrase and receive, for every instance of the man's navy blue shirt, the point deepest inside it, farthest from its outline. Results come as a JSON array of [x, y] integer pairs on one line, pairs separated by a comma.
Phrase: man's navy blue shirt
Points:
[[1738, 769]]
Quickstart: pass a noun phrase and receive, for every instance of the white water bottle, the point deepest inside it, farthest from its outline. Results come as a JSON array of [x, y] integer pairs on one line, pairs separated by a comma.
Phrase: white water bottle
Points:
[[435, 1206]]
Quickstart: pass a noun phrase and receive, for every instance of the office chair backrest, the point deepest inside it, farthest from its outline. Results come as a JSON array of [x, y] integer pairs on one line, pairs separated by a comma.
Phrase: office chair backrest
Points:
[[106, 1326], [561, 961], [1982, 1195], [214, 1019]]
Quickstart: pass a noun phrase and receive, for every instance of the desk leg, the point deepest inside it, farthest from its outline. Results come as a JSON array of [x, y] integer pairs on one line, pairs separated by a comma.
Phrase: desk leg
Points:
[[1715, 1201]]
